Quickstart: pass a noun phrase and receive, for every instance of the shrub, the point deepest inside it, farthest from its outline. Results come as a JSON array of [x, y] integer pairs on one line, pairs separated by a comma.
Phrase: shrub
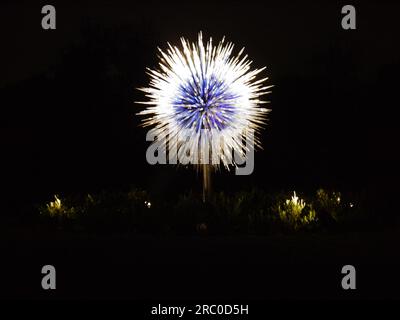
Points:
[[329, 207], [115, 211], [245, 212], [58, 209], [295, 214]]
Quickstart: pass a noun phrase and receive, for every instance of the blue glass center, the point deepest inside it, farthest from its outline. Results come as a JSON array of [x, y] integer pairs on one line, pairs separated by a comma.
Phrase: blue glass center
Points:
[[204, 104]]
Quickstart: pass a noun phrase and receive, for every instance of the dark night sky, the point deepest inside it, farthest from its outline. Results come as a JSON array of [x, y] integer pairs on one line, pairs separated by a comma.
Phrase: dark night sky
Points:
[[68, 119], [283, 34]]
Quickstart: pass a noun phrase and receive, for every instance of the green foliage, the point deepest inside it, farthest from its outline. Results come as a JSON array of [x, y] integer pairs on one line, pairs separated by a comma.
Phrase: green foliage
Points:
[[121, 211], [296, 214], [245, 212], [58, 209], [330, 204]]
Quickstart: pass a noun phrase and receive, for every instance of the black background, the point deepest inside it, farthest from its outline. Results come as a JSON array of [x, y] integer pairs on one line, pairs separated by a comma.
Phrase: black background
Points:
[[68, 119]]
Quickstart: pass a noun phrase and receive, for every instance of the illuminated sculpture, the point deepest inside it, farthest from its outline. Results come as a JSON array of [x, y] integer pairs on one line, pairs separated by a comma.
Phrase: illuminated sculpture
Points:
[[202, 96]]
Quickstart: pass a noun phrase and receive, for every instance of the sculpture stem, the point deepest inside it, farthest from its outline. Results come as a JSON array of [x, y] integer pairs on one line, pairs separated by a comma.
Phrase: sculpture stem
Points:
[[206, 182]]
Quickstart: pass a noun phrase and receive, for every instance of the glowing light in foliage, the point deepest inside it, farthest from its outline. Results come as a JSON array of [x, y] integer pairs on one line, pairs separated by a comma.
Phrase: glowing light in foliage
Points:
[[55, 204], [208, 94], [297, 203]]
